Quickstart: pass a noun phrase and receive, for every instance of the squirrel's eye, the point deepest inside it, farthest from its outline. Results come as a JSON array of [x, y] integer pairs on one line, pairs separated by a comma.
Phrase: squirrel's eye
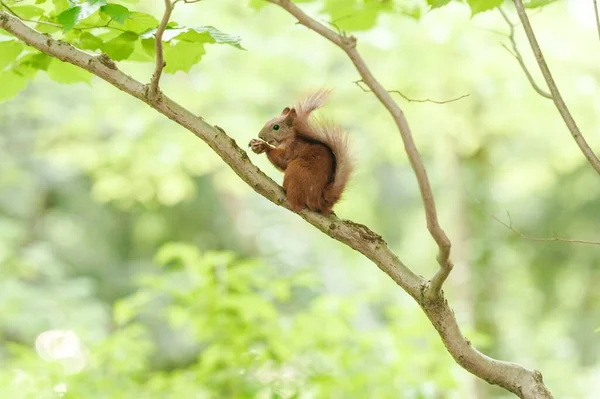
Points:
[[275, 127]]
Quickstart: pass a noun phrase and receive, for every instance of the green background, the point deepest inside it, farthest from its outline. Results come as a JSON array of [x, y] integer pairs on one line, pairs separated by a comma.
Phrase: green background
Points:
[[162, 275]]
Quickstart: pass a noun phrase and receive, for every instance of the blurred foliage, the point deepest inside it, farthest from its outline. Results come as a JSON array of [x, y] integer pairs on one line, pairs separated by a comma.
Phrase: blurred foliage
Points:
[[235, 329], [134, 262]]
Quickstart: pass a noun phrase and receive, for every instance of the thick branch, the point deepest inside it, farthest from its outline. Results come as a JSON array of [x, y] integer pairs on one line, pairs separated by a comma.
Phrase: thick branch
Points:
[[517, 379], [348, 45], [515, 53], [556, 97], [160, 61]]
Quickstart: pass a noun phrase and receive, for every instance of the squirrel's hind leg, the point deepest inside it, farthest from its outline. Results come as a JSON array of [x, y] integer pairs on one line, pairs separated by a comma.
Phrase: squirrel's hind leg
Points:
[[294, 191]]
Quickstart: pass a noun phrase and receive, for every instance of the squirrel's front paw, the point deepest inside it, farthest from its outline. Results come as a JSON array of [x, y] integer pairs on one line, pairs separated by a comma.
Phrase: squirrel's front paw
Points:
[[258, 146]]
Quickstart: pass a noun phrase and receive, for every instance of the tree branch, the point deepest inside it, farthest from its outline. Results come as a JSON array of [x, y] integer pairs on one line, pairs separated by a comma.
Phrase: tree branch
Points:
[[160, 61], [523, 382], [348, 45], [412, 100], [597, 17], [510, 226], [556, 97], [515, 53]]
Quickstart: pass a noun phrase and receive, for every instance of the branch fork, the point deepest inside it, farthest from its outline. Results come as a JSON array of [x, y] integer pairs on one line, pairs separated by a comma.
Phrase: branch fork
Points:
[[523, 382], [560, 104]]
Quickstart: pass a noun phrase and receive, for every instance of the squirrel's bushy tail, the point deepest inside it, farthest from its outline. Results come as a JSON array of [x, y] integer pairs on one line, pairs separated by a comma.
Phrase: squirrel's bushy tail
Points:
[[330, 134], [311, 102]]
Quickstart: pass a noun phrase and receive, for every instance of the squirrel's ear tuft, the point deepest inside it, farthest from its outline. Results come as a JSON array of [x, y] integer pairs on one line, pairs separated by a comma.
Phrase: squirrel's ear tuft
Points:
[[285, 110], [291, 116]]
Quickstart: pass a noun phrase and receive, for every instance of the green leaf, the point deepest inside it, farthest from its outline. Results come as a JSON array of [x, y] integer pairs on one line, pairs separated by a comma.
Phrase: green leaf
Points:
[[89, 7], [87, 41], [28, 12], [70, 17], [437, 3], [140, 22], [12, 84], [140, 54], [185, 46], [64, 72], [182, 56], [219, 36], [36, 60], [258, 4], [197, 34], [9, 51], [354, 15], [537, 3], [26, 71], [121, 47], [478, 6], [148, 44], [176, 252], [117, 12], [60, 6]]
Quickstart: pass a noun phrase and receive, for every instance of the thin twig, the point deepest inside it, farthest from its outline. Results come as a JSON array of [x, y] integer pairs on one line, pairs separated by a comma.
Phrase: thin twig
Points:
[[348, 45], [515, 53], [106, 25], [48, 23], [10, 10], [412, 100], [556, 97], [597, 17], [510, 226], [160, 61]]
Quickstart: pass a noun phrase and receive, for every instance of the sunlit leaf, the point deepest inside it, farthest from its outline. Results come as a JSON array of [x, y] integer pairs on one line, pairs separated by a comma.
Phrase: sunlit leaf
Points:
[[437, 3], [70, 17], [63, 72], [184, 47], [538, 3], [258, 4], [354, 15], [177, 253], [61, 5], [28, 11], [478, 6], [121, 47], [140, 22], [88, 41], [39, 61], [12, 84], [182, 56], [9, 51], [198, 34], [117, 12]]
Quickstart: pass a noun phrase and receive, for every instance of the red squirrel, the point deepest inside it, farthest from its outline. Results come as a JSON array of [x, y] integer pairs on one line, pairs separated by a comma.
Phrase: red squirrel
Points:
[[313, 154]]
